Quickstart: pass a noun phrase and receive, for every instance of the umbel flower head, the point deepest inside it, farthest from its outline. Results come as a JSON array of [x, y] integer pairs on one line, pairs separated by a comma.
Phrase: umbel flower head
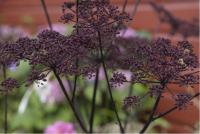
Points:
[[157, 63], [95, 14], [182, 99], [8, 85]]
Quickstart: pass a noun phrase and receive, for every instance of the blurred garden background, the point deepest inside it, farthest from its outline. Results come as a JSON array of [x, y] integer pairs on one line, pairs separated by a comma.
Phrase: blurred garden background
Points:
[[36, 108]]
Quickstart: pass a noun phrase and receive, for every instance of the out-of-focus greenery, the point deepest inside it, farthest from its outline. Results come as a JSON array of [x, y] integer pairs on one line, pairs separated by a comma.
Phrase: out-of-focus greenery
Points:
[[37, 116]]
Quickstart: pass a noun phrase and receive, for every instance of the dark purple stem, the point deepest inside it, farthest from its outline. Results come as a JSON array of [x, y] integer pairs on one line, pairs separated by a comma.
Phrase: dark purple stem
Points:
[[124, 5], [94, 101], [70, 103], [5, 104], [172, 109], [77, 30], [46, 14], [151, 115], [58, 77], [108, 84]]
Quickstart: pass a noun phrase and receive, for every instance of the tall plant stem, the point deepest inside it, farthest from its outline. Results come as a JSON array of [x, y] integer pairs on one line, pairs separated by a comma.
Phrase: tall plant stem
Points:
[[70, 103], [77, 31], [108, 84], [94, 101], [46, 14], [151, 115], [135, 9], [127, 114], [5, 104], [58, 77], [124, 5]]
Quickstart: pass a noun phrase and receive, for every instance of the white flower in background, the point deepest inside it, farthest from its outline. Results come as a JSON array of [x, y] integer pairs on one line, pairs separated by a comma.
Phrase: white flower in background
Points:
[[50, 93]]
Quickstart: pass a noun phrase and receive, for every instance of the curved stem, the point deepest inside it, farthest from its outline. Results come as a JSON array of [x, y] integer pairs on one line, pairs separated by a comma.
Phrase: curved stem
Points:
[[94, 101], [151, 116], [172, 109], [108, 84], [69, 101]]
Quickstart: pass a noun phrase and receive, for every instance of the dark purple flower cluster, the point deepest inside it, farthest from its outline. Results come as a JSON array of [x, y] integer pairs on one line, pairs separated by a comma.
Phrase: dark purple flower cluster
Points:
[[9, 53], [158, 63], [131, 101], [182, 99], [8, 85], [96, 14], [117, 79]]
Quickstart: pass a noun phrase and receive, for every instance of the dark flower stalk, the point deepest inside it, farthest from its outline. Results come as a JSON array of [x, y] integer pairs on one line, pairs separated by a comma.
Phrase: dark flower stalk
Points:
[[124, 5], [5, 103], [70, 103], [94, 100], [151, 116], [60, 81], [108, 83], [135, 9], [127, 113], [172, 109], [46, 14], [77, 31]]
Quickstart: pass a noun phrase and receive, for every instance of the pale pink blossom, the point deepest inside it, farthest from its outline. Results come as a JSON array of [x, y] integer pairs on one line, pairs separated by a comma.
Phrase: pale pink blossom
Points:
[[60, 127]]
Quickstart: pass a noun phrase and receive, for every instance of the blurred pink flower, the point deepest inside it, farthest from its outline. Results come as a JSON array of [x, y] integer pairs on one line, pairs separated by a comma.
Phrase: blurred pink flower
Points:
[[55, 93], [127, 33], [60, 127]]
